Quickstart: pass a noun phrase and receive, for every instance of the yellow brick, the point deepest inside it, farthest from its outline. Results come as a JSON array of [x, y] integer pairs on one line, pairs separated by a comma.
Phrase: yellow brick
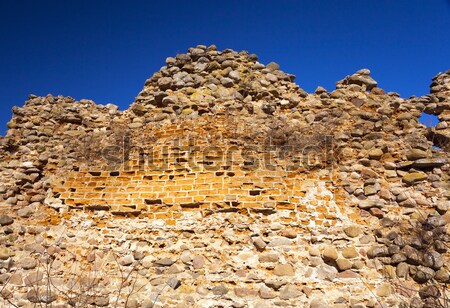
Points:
[[111, 189], [199, 198], [280, 198], [206, 192], [217, 185], [285, 206], [59, 189], [246, 198], [213, 198], [262, 198], [294, 199], [142, 207], [178, 194], [172, 188], [223, 191], [185, 182], [76, 195], [204, 175], [206, 205], [122, 202], [251, 205], [65, 195], [69, 202], [233, 184], [166, 215], [148, 195], [93, 195], [168, 200], [158, 188], [100, 202], [237, 192]]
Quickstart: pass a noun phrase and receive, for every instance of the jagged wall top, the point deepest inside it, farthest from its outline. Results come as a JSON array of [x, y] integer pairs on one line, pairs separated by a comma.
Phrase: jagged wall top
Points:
[[206, 80]]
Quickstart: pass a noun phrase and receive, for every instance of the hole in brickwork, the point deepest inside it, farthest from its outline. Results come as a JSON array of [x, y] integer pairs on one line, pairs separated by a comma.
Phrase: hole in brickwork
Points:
[[263, 211], [98, 207], [99, 188], [171, 177], [95, 173], [72, 189], [126, 213], [220, 173], [230, 173], [255, 192], [228, 210], [194, 205], [148, 177], [114, 173], [152, 201]]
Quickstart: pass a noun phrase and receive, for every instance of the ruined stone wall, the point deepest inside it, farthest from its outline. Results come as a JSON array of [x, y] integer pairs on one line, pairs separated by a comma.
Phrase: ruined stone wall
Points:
[[226, 185], [184, 172]]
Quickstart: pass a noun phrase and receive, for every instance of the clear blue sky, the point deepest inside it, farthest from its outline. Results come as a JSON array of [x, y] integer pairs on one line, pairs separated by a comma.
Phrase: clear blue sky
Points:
[[105, 50]]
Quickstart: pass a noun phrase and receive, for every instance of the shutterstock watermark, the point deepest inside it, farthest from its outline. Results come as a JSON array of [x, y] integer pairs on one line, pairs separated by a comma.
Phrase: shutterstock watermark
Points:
[[313, 152]]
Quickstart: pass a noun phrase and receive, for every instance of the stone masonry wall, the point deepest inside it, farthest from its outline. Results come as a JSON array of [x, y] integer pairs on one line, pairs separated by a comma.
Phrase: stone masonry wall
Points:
[[226, 185]]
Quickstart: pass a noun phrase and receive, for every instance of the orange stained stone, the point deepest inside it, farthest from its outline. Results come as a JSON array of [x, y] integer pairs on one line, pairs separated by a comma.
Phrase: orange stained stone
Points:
[[164, 215], [171, 222], [177, 215], [318, 222]]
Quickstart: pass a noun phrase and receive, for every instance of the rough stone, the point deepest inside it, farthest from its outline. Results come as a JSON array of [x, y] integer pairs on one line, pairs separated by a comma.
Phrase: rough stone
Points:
[[375, 154], [349, 252], [353, 231], [318, 303], [198, 262], [5, 253], [6, 220], [343, 264], [384, 290], [219, 290], [423, 274], [414, 177], [326, 272], [289, 291], [330, 253], [266, 293], [284, 270], [268, 257]]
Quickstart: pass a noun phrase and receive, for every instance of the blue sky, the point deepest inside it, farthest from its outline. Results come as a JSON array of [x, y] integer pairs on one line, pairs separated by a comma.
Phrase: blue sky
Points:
[[105, 50]]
